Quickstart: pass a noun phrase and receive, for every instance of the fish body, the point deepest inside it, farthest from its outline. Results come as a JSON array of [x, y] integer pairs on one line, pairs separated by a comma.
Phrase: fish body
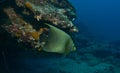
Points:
[[58, 41]]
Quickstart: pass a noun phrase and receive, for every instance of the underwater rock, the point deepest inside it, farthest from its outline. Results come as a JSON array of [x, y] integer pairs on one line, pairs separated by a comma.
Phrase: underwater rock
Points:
[[92, 46], [59, 13], [25, 21], [90, 59], [113, 60], [103, 68], [22, 30]]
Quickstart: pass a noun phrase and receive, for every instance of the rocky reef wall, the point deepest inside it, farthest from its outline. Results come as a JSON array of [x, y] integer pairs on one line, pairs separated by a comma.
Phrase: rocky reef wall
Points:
[[25, 20]]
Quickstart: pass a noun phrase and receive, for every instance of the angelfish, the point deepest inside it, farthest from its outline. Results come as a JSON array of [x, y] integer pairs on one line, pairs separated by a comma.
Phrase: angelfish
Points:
[[58, 41]]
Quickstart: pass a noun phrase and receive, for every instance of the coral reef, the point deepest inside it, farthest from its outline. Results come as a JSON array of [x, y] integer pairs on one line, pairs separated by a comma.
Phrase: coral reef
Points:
[[26, 20], [23, 30], [60, 15]]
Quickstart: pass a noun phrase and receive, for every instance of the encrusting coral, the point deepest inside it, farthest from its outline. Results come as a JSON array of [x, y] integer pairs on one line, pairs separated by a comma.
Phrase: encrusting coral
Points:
[[40, 22], [23, 30], [48, 11]]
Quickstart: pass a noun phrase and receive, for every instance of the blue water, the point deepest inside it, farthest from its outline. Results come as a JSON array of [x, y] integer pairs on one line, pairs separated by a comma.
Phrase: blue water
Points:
[[101, 17]]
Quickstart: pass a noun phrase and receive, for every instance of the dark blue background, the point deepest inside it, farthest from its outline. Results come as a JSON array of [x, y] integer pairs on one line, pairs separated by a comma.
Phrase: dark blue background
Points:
[[101, 17]]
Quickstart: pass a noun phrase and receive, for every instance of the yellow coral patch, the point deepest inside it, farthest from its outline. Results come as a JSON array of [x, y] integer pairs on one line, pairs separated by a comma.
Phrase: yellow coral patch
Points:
[[35, 35], [28, 5], [41, 30]]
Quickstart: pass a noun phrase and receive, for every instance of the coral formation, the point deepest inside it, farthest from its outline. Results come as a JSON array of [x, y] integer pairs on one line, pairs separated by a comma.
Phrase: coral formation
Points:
[[27, 20], [46, 10], [23, 30]]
